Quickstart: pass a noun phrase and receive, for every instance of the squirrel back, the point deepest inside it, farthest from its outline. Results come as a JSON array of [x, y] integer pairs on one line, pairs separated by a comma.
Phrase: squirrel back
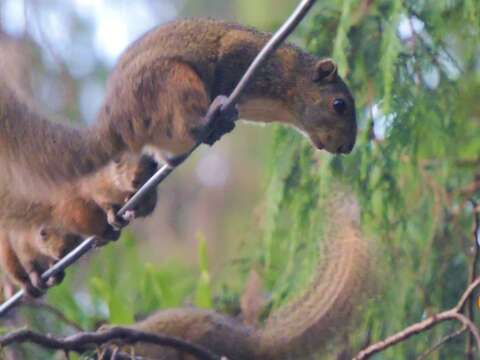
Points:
[[294, 331], [158, 95]]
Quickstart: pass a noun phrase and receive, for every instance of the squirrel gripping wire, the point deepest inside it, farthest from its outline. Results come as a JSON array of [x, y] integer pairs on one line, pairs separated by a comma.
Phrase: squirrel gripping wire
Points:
[[221, 104]]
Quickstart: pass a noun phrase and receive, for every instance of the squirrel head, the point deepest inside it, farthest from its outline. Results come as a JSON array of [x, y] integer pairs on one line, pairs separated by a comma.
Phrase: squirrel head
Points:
[[328, 109]]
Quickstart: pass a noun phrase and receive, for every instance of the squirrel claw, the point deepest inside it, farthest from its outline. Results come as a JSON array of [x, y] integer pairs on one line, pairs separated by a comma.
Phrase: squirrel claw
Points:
[[31, 291], [55, 279], [111, 234], [147, 167], [129, 215], [37, 285], [219, 122], [116, 222]]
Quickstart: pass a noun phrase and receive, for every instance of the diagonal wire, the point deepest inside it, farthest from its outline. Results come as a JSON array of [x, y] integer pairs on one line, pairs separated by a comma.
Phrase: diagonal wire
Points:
[[277, 39]]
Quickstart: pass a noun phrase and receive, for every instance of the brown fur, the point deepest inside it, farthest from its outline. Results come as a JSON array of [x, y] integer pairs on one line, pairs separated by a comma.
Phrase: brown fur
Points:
[[36, 235], [11, 264], [23, 259], [158, 93], [294, 331], [157, 97], [98, 193]]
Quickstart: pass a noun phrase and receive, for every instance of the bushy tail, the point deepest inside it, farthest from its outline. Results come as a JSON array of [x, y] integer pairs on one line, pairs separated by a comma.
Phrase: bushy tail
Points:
[[295, 331], [303, 326]]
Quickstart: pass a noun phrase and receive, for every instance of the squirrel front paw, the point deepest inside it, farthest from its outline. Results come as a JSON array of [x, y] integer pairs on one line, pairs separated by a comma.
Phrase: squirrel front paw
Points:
[[36, 286], [133, 172], [116, 222], [217, 122], [111, 233], [145, 207], [146, 168]]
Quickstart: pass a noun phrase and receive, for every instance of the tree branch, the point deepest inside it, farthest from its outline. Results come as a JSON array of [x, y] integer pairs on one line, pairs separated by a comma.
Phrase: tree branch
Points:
[[473, 275], [452, 314], [417, 328], [442, 342], [87, 340]]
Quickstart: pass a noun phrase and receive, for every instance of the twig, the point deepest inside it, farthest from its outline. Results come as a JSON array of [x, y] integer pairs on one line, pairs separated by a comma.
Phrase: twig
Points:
[[452, 314], [442, 342], [473, 275], [86, 340], [466, 295]]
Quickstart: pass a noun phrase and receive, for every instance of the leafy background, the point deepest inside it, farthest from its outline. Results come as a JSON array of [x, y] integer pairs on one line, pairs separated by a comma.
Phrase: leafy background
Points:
[[413, 67]]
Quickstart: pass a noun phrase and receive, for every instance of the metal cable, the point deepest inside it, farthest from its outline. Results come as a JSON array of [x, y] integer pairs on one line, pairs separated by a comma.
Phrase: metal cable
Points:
[[277, 39]]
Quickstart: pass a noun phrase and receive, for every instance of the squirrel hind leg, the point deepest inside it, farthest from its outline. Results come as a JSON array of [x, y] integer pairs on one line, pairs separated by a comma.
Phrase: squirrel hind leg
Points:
[[13, 267], [54, 243], [35, 260]]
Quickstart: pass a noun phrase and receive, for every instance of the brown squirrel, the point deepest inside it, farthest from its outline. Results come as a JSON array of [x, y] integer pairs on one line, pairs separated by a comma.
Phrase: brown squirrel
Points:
[[157, 98], [158, 95], [293, 332], [30, 245], [86, 206]]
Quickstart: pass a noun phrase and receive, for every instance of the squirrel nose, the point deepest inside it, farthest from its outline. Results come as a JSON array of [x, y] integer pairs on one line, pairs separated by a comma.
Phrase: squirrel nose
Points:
[[346, 148]]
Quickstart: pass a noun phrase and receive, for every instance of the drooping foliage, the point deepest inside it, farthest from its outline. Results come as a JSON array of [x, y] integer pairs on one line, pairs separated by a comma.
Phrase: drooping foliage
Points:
[[413, 67]]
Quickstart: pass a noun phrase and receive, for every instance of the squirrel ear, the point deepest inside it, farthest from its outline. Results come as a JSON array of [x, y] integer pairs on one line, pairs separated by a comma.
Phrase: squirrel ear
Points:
[[325, 69]]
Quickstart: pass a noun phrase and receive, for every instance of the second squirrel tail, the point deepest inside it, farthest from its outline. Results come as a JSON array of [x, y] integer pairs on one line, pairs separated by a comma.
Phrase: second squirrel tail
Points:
[[306, 324]]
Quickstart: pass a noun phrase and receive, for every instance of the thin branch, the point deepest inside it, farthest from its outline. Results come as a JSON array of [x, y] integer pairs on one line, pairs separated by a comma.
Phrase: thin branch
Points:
[[416, 329], [87, 340], [403, 335], [442, 342], [473, 275], [452, 314], [466, 295], [470, 325]]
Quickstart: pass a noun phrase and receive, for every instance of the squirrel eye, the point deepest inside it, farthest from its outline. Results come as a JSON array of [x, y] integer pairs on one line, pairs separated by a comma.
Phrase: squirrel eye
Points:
[[43, 233], [340, 106]]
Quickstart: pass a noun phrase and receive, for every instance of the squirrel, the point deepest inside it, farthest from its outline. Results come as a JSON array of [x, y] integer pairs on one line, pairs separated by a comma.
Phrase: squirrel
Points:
[[86, 206], [158, 95], [156, 101], [295, 331], [31, 245]]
